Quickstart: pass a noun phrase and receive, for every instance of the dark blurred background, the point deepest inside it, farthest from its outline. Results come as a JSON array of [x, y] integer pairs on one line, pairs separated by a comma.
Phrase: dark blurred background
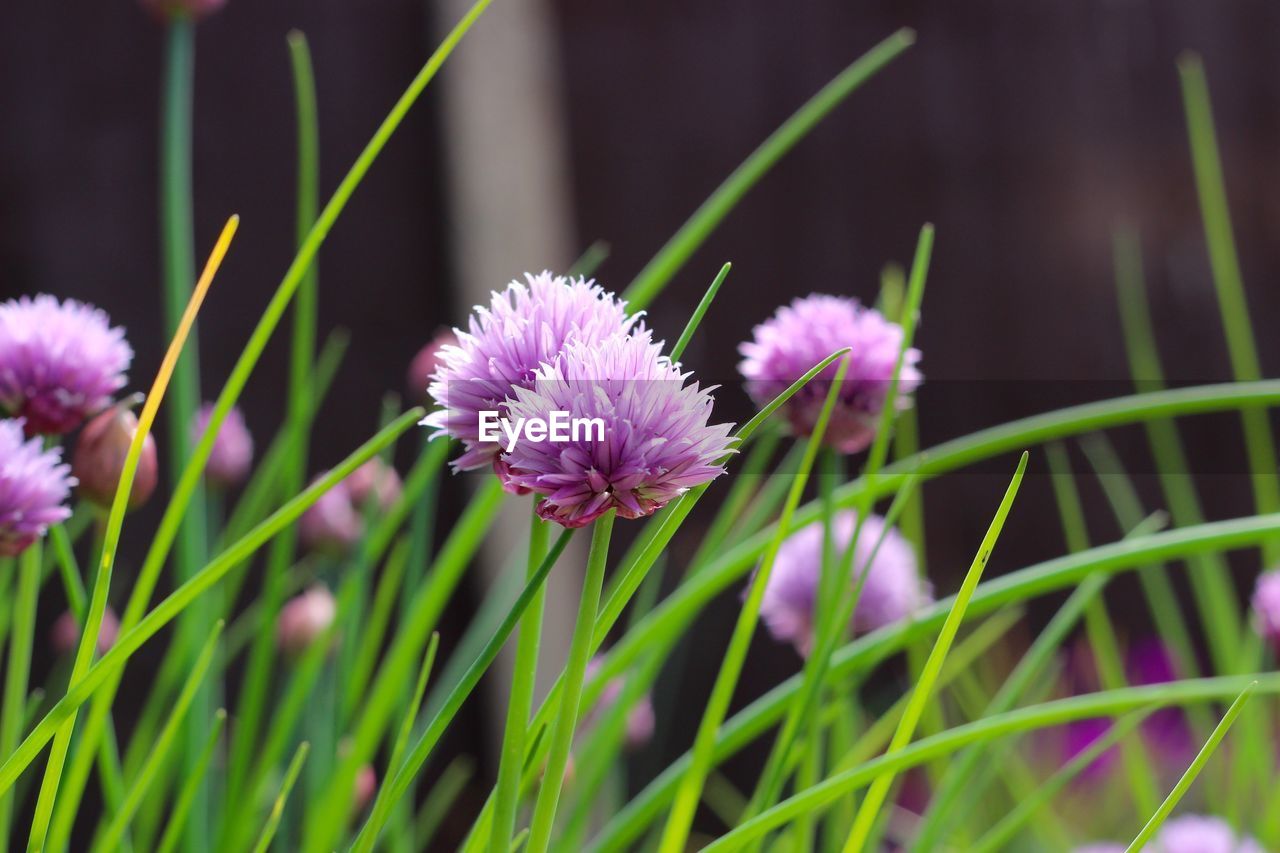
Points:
[[1024, 131]]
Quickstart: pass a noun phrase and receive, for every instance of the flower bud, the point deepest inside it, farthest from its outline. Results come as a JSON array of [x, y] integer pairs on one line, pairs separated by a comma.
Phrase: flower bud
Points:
[[374, 480], [98, 461], [424, 364], [332, 524], [304, 619], [232, 453], [65, 634], [366, 787]]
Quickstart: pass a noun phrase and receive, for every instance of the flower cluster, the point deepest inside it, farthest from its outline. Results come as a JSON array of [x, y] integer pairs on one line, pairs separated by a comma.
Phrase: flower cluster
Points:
[[802, 334], [1189, 834], [524, 327], [892, 590], [558, 345], [59, 362], [34, 485]]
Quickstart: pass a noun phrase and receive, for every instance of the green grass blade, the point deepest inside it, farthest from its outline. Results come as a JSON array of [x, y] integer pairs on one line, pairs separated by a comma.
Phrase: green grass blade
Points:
[[520, 703], [680, 820], [1227, 280], [69, 570], [870, 807], [177, 820], [672, 256], [277, 808], [999, 836], [18, 671], [139, 786], [1197, 764], [695, 319], [575, 670]]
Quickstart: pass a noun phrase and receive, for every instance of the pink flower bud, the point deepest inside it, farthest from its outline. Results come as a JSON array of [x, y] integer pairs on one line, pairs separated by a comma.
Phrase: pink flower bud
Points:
[[232, 453], [366, 787], [195, 9], [331, 524], [305, 618], [98, 461], [374, 479], [425, 363], [65, 635]]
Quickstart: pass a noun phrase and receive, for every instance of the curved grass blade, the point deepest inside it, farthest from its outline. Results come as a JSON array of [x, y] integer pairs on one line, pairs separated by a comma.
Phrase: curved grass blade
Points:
[[277, 808], [870, 807], [114, 832], [672, 256], [128, 643], [111, 533], [426, 742], [695, 319], [680, 820], [182, 804], [1197, 764]]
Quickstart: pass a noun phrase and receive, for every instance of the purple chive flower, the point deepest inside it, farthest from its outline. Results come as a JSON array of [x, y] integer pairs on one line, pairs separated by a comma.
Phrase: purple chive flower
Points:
[[34, 484], [59, 362], [640, 719], [892, 591], [1266, 607], [524, 327], [332, 524], [800, 335], [1200, 834], [232, 452], [650, 442]]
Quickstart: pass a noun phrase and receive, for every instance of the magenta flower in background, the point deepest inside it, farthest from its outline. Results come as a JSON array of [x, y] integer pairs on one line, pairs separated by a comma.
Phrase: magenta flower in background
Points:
[[653, 443], [59, 362], [1199, 834], [231, 456], [65, 635], [1266, 607], [524, 327], [892, 591], [332, 524], [374, 480], [34, 485], [98, 460], [304, 618], [800, 335], [640, 719], [426, 363]]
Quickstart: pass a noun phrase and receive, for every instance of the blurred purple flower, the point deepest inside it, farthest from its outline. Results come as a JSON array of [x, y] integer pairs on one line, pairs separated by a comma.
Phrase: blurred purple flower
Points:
[[332, 524], [892, 591], [34, 485], [1199, 834], [232, 454], [377, 480], [1266, 607], [427, 362], [657, 442], [98, 460], [304, 618], [65, 635], [59, 363], [524, 327], [640, 719], [800, 335]]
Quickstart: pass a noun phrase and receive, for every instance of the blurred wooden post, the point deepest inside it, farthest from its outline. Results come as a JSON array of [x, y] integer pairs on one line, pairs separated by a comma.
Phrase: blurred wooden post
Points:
[[509, 212]]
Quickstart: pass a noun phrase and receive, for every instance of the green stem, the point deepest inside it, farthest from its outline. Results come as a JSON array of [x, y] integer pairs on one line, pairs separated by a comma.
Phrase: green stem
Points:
[[19, 669], [523, 677], [544, 811]]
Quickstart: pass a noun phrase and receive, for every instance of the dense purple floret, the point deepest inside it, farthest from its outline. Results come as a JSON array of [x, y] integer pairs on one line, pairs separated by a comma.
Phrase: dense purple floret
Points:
[[34, 486]]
